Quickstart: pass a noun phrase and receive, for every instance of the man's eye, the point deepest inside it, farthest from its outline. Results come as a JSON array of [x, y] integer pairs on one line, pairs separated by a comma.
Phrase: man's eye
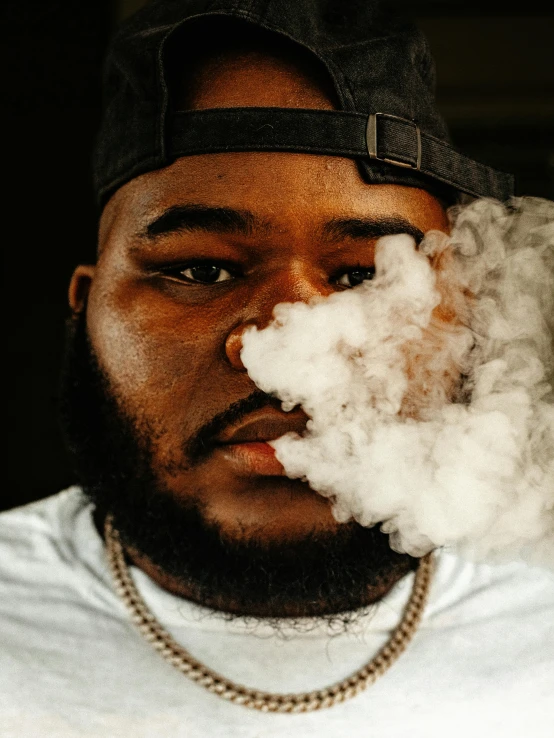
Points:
[[356, 276], [205, 274]]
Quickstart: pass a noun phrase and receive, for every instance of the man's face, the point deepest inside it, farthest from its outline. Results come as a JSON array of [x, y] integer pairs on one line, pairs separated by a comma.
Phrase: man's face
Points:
[[231, 236], [189, 256]]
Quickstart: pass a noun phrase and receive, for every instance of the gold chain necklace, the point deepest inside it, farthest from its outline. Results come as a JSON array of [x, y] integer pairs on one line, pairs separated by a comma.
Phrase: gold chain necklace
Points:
[[178, 657]]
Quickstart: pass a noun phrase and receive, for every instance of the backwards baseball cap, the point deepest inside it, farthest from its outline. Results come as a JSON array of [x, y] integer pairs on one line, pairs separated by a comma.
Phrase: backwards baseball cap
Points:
[[380, 67]]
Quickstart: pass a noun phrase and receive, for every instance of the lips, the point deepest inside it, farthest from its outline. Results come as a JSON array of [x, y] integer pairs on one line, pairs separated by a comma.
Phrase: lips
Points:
[[264, 425], [245, 445]]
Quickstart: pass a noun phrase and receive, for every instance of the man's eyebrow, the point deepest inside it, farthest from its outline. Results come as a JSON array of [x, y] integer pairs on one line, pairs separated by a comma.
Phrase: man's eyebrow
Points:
[[194, 217], [369, 228]]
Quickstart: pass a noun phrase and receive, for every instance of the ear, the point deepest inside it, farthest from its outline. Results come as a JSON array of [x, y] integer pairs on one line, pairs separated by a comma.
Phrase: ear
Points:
[[79, 286]]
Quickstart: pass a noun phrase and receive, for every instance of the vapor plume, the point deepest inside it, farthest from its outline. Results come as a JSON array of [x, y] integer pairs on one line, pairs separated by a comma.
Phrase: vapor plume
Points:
[[430, 388]]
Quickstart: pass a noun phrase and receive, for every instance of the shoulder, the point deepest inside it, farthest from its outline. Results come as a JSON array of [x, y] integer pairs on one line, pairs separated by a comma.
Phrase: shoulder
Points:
[[472, 591], [49, 546], [32, 530]]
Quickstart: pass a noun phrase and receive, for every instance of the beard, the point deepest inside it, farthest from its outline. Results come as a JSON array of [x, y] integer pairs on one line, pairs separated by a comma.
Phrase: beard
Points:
[[328, 574]]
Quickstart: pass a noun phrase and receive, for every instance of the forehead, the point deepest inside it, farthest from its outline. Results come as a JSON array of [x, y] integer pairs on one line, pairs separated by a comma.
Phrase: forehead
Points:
[[293, 192]]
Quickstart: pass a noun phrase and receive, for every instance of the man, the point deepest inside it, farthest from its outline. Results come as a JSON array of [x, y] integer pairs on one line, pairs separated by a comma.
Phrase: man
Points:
[[321, 136]]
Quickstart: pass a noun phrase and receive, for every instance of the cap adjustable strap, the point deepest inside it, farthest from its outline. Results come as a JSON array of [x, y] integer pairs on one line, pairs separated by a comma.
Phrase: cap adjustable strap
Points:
[[381, 137], [401, 144]]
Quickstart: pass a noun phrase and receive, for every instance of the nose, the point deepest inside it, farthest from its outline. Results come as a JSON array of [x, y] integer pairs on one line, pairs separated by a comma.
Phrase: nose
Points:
[[292, 285], [233, 346]]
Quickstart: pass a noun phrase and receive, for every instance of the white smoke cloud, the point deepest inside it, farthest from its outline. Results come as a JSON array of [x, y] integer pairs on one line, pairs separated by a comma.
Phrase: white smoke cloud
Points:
[[430, 388]]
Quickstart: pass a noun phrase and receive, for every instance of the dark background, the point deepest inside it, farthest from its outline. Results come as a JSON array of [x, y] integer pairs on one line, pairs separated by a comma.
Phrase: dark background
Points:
[[495, 88]]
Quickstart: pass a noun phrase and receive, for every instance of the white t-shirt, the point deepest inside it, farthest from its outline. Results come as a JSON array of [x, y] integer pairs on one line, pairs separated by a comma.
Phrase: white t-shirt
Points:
[[71, 663]]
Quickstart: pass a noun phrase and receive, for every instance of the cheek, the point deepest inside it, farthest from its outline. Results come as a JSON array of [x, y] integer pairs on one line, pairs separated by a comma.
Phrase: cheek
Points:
[[157, 353]]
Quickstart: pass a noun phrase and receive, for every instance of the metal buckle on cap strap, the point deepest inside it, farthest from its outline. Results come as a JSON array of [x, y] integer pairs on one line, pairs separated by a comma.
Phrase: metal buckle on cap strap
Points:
[[371, 140]]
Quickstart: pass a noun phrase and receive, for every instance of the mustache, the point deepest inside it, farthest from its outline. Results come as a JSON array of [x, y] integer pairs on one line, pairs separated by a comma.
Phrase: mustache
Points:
[[204, 440]]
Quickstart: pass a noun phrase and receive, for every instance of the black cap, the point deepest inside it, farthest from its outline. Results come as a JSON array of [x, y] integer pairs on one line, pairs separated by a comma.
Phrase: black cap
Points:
[[380, 66]]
